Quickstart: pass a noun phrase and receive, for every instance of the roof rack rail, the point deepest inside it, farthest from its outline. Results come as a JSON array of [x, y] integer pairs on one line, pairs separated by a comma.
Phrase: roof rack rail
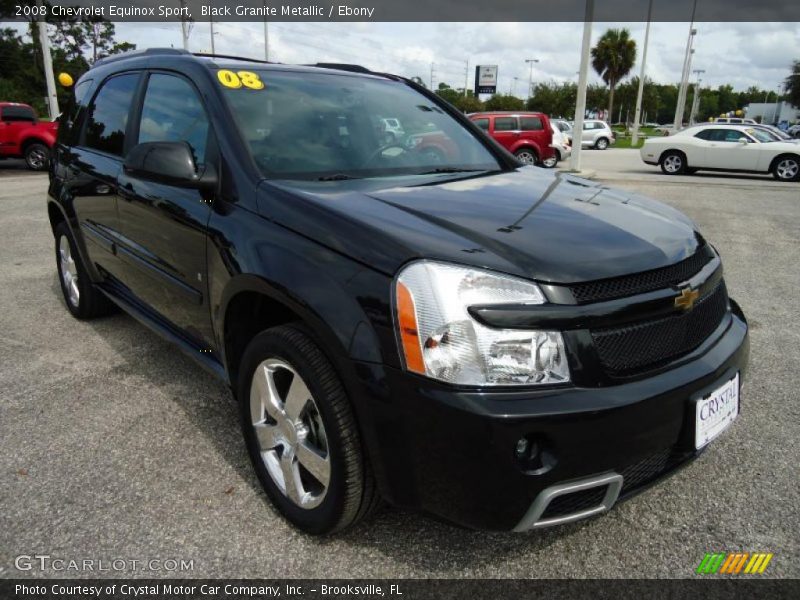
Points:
[[142, 52], [342, 67], [233, 57]]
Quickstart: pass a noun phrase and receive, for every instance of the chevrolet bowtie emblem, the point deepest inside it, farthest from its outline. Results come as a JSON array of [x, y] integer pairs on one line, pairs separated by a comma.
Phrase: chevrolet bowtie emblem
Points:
[[686, 298]]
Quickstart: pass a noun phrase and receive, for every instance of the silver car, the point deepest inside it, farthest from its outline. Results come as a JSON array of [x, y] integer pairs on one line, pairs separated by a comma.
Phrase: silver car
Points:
[[597, 134]]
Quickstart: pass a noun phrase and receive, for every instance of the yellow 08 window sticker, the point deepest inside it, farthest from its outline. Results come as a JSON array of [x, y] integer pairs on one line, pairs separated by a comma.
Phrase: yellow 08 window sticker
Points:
[[238, 79]]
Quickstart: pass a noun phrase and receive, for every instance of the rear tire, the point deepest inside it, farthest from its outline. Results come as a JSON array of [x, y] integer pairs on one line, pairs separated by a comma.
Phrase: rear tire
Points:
[[37, 156], [673, 162], [601, 143], [549, 163], [301, 433], [83, 299], [527, 156], [786, 168]]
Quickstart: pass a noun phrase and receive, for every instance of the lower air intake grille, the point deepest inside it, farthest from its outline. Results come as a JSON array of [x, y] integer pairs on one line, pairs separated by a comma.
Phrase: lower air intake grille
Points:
[[567, 504]]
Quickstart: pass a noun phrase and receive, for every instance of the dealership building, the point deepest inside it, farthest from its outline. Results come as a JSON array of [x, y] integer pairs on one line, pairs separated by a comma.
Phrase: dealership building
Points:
[[773, 112]]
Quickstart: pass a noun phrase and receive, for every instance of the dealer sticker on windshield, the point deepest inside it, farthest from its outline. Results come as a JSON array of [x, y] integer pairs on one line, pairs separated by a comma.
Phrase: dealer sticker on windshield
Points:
[[716, 412]]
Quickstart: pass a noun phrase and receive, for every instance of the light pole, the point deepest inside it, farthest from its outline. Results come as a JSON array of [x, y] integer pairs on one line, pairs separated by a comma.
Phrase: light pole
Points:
[[211, 25], [47, 62], [637, 113], [580, 104], [776, 115], [514, 86], [696, 98], [687, 61], [531, 62]]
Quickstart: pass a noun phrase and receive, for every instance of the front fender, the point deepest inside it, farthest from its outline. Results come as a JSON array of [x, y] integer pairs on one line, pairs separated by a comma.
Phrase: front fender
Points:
[[328, 291]]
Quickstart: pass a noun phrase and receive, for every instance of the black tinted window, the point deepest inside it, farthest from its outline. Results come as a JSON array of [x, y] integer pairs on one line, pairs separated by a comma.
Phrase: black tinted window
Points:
[[71, 117], [704, 135], [172, 112], [482, 123], [108, 117], [18, 113], [505, 123], [530, 123]]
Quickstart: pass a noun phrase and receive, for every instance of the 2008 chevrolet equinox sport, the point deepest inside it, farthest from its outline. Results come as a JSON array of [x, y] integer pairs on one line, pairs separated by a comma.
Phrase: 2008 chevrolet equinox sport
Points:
[[417, 318]]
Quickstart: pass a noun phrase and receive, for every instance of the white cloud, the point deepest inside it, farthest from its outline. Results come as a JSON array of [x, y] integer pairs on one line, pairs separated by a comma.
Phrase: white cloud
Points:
[[742, 54]]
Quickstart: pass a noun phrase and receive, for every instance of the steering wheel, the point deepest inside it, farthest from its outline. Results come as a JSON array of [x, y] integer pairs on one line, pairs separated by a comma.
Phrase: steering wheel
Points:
[[381, 150]]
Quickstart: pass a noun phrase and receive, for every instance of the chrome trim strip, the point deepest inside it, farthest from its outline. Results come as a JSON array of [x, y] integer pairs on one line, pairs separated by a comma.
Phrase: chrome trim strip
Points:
[[533, 520]]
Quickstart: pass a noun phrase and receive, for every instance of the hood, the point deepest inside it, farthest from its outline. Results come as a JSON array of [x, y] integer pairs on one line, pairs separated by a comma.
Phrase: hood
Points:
[[530, 222]]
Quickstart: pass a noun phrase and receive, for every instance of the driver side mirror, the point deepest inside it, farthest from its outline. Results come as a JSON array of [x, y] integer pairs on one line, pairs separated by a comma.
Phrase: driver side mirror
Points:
[[743, 141], [171, 163]]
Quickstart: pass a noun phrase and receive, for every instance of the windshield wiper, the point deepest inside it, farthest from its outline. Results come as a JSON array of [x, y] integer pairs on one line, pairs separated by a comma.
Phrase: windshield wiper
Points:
[[336, 177], [450, 170]]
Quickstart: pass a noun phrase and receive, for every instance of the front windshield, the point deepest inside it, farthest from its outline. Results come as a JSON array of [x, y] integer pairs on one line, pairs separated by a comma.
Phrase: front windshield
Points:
[[302, 125], [761, 135]]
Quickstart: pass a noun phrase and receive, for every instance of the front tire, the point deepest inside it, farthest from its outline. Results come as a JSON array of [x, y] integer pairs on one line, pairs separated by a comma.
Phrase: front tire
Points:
[[673, 162], [37, 156], [83, 299], [301, 433], [786, 168], [549, 163]]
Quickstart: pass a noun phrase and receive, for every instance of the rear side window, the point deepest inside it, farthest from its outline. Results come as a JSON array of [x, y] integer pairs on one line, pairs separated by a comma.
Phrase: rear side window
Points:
[[71, 117], [530, 124], [108, 116], [482, 123], [173, 112], [505, 123], [17, 113]]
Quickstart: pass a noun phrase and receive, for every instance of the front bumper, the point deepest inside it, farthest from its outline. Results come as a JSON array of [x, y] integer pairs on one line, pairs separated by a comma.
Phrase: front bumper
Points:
[[451, 452]]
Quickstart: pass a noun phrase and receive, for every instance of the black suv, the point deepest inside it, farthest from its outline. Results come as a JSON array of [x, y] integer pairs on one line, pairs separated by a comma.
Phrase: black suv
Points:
[[419, 319]]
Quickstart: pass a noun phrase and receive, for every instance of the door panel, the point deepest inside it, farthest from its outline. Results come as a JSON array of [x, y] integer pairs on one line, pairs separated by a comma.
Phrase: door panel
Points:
[[506, 131], [164, 226], [93, 166]]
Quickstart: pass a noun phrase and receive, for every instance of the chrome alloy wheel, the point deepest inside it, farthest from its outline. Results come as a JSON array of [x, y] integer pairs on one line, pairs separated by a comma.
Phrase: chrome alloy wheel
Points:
[[787, 168], [37, 159], [290, 433], [526, 157], [69, 272], [673, 163]]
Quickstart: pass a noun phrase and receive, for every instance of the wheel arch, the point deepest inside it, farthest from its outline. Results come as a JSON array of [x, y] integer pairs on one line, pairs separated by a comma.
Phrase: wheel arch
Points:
[[252, 303], [33, 139], [673, 149], [774, 161]]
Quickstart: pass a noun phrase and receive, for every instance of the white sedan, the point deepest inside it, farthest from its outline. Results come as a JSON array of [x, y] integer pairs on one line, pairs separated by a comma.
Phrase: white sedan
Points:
[[723, 148]]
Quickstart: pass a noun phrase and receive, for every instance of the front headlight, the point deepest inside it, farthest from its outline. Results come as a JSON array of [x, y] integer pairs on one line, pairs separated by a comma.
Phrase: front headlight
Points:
[[441, 340]]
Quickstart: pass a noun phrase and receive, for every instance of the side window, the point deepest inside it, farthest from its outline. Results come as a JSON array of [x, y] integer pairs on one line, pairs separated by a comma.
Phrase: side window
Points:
[[172, 112], [70, 118], [13, 114], [530, 124], [705, 134], [730, 135], [108, 116], [482, 123], [505, 124]]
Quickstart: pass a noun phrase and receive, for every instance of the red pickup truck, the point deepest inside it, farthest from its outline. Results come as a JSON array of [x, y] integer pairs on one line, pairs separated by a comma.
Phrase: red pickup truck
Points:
[[22, 135]]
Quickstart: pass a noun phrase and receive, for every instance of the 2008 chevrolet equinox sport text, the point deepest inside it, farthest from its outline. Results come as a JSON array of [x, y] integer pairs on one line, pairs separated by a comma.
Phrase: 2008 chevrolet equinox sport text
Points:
[[418, 319]]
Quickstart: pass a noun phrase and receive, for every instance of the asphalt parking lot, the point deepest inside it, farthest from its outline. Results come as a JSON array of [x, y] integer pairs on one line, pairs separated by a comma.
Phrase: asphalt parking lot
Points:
[[114, 445]]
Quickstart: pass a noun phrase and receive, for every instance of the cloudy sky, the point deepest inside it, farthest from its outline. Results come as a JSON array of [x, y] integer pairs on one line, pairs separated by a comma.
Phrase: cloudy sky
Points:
[[741, 54]]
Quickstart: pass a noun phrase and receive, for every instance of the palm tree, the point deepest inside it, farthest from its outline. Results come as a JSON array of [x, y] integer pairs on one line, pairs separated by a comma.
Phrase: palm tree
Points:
[[791, 85], [613, 58]]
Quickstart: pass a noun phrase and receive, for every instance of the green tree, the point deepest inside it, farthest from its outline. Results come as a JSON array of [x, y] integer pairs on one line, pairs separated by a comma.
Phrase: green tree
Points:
[[791, 85], [613, 57], [504, 102]]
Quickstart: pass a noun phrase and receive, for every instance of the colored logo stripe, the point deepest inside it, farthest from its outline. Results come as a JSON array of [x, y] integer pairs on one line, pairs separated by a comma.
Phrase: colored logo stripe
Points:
[[758, 563], [733, 563]]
